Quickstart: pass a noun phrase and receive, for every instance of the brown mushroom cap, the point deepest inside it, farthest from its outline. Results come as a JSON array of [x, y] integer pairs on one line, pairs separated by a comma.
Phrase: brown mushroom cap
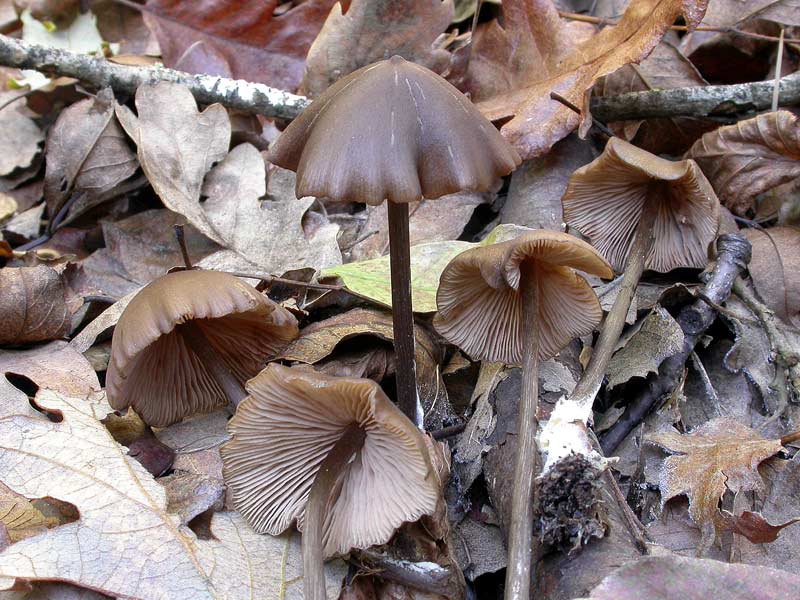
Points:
[[392, 130], [285, 428], [152, 369], [605, 200], [479, 301]]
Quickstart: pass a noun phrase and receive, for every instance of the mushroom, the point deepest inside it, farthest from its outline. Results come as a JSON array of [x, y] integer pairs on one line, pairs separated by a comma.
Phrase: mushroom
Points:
[[640, 211], [395, 131], [520, 302], [333, 454], [188, 341]]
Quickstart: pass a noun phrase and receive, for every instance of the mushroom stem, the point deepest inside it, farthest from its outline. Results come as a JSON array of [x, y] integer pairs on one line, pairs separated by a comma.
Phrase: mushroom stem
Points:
[[198, 343], [523, 502], [589, 383], [402, 315], [320, 498]]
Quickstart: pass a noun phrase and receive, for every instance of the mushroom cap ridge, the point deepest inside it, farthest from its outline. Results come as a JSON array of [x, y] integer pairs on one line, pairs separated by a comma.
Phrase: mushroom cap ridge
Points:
[[392, 130], [604, 200], [152, 370], [479, 301]]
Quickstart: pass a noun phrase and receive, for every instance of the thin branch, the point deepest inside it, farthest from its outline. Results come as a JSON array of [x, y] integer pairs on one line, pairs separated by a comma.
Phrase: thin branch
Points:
[[270, 279], [99, 72], [256, 98], [731, 30], [733, 254], [697, 101], [180, 235]]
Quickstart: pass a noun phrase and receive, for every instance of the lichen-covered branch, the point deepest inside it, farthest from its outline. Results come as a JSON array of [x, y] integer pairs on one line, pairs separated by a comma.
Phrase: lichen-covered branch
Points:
[[99, 72], [699, 101], [261, 99]]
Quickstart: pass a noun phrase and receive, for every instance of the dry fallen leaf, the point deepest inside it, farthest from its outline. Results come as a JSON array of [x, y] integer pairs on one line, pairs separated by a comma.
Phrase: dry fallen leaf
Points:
[[755, 527], [658, 338], [177, 145], [670, 577], [429, 221], [537, 56], [318, 341], [263, 236], [56, 366], [32, 306], [87, 153], [721, 454], [372, 30], [125, 543], [20, 136], [138, 249], [371, 278], [534, 194], [240, 40], [724, 13], [775, 269], [750, 157]]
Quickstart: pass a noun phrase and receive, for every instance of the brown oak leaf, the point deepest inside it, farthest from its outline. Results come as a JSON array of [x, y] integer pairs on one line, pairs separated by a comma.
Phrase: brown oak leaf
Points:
[[750, 157], [721, 454], [33, 306], [775, 269], [541, 57], [371, 30], [236, 38]]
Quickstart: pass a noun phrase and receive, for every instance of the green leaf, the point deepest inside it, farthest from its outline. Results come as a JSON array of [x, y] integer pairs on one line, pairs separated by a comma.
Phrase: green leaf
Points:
[[371, 278]]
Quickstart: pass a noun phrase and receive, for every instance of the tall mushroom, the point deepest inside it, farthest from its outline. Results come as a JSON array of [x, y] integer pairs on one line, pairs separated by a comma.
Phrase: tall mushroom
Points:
[[188, 341], [520, 302], [395, 131], [333, 454], [640, 211]]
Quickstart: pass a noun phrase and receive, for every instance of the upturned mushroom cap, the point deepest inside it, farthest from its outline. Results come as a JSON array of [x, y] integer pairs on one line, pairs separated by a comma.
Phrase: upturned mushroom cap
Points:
[[605, 200], [480, 305], [152, 369], [392, 130], [285, 428]]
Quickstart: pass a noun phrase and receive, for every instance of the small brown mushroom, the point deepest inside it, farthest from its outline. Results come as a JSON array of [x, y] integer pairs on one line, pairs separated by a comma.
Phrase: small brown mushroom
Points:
[[640, 211], [188, 341], [627, 190], [395, 131], [332, 454], [520, 302]]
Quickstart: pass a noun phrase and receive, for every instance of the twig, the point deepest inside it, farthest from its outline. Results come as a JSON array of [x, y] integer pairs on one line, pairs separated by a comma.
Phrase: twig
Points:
[[696, 101], [99, 73], [52, 226], [576, 109], [424, 576], [731, 30], [181, 237], [733, 254], [303, 284], [446, 432], [778, 66], [256, 98]]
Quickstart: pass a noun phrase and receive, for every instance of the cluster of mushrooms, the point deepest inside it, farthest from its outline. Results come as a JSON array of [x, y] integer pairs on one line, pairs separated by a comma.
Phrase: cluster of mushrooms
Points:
[[333, 455]]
